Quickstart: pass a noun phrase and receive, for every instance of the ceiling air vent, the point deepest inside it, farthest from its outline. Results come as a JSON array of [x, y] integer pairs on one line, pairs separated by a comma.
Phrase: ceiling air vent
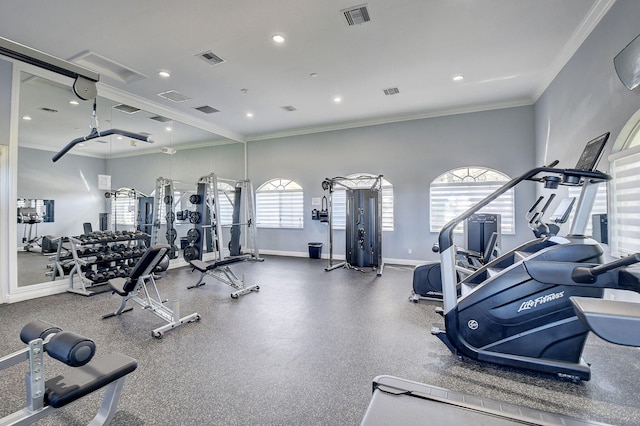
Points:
[[289, 108], [174, 96], [207, 109], [127, 109], [391, 91], [51, 110], [160, 118], [356, 15], [211, 58]]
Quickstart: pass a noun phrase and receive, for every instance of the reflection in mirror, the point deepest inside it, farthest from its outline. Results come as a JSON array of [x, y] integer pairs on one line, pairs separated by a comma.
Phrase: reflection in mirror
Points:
[[50, 117]]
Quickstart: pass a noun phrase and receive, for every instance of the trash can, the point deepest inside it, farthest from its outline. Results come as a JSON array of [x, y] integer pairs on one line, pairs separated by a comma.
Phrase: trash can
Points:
[[315, 250]]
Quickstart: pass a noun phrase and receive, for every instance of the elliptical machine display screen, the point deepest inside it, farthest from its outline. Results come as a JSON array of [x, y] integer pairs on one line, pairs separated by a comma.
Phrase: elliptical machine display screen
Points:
[[592, 153]]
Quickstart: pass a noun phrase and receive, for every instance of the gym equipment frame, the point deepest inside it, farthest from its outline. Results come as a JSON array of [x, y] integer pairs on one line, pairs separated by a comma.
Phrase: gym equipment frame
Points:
[[163, 195], [409, 403], [363, 222], [516, 311], [45, 397], [207, 218], [220, 271], [138, 281]]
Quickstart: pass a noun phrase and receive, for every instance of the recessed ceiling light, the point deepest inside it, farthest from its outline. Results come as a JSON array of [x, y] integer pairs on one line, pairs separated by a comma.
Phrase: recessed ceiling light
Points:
[[458, 77], [337, 99], [81, 145], [119, 137], [278, 38], [73, 102], [26, 117], [249, 115], [168, 128], [164, 74]]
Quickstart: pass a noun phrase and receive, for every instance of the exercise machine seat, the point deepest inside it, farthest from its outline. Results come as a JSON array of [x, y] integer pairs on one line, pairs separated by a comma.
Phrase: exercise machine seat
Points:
[[145, 265], [614, 321], [81, 381]]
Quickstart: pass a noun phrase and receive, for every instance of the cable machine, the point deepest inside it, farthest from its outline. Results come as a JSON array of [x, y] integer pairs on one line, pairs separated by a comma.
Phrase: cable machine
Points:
[[363, 222]]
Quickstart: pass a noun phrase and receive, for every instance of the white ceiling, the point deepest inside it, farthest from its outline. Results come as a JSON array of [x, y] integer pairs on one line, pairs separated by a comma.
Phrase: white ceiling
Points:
[[507, 50]]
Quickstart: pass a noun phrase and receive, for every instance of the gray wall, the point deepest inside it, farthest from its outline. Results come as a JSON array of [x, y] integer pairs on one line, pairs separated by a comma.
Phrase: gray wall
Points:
[[186, 166], [72, 182], [410, 155], [587, 99]]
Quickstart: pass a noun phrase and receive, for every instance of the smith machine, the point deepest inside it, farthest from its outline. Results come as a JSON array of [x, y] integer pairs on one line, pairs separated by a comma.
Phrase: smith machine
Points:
[[363, 221]]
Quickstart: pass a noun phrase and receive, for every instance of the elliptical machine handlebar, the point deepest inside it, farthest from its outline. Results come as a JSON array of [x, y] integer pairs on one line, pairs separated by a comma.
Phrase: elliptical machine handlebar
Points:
[[550, 176], [583, 274]]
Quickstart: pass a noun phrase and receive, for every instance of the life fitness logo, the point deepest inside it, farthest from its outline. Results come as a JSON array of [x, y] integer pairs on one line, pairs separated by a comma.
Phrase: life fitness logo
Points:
[[532, 303]]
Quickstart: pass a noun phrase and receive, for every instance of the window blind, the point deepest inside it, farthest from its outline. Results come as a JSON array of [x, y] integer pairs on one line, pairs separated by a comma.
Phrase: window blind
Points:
[[449, 200], [626, 204]]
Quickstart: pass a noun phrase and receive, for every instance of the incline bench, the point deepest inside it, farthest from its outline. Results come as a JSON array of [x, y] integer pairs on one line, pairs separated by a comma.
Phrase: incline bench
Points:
[[220, 270], [134, 285], [45, 397]]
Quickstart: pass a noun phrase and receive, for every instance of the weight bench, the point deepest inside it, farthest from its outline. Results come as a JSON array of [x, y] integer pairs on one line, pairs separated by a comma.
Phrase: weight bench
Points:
[[45, 397], [220, 271], [614, 321], [135, 287]]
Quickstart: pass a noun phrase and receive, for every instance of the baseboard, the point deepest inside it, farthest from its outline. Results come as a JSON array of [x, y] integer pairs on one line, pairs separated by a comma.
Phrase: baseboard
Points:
[[390, 261], [37, 290]]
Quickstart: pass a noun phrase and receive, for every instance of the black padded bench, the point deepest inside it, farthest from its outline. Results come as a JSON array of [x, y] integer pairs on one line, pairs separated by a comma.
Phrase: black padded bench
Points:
[[220, 270], [139, 278], [614, 321]]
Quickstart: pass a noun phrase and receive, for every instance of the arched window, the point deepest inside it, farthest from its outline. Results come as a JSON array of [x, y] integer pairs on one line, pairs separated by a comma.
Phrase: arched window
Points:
[[624, 161], [280, 204], [362, 180], [457, 190]]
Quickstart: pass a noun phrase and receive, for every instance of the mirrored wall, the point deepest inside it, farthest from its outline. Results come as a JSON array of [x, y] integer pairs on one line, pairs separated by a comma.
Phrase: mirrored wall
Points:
[[99, 183]]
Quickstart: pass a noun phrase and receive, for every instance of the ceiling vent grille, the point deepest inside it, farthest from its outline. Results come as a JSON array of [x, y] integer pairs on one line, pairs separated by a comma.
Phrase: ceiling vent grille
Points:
[[391, 91], [356, 15], [174, 96], [160, 118], [207, 109], [210, 58], [51, 110], [289, 108], [127, 109], [106, 66]]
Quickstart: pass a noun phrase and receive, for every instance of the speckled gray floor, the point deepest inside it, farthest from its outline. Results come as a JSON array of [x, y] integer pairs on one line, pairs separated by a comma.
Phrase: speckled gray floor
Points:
[[302, 351]]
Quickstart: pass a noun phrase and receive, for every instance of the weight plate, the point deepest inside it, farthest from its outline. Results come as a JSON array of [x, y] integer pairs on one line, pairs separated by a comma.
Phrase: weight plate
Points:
[[194, 199], [173, 252], [171, 217], [171, 234], [168, 199], [193, 235], [190, 253], [194, 217]]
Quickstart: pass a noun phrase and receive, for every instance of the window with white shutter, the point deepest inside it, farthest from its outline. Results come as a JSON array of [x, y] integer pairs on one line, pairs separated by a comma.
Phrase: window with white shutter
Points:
[[624, 220], [280, 204], [457, 190]]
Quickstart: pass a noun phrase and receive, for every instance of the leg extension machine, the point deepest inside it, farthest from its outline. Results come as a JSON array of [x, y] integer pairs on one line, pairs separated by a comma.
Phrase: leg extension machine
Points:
[[45, 397]]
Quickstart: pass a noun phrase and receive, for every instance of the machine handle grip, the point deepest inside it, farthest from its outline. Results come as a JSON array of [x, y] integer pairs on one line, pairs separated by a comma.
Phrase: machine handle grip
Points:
[[583, 274]]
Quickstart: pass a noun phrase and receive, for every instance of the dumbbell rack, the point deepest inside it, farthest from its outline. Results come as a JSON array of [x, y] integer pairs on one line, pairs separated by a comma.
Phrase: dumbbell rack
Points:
[[101, 256]]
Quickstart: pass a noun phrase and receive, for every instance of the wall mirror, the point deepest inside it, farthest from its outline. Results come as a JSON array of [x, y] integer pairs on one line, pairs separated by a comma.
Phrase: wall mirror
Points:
[[50, 117]]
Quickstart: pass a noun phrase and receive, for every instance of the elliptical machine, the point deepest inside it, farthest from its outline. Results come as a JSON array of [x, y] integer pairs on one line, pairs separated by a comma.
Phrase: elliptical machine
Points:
[[516, 311]]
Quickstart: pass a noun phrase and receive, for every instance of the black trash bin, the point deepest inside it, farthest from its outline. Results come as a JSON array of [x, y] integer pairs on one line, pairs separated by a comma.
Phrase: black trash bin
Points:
[[315, 250]]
